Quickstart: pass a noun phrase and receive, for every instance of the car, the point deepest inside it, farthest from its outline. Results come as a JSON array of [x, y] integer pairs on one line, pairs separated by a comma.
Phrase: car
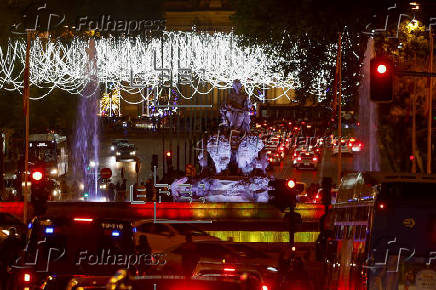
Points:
[[74, 244], [7, 221], [219, 256], [306, 160], [125, 152], [274, 157], [10, 192], [116, 142], [122, 280], [346, 149], [162, 236]]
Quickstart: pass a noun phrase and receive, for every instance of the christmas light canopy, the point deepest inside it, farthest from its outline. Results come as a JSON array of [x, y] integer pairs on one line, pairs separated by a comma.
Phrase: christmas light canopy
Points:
[[202, 61]]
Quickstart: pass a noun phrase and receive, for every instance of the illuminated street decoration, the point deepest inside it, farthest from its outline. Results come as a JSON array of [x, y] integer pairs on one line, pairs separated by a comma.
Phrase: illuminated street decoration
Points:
[[202, 61], [110, 104]]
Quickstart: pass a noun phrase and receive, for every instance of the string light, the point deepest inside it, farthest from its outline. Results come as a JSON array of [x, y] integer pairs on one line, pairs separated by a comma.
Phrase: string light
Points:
[[201, 61]]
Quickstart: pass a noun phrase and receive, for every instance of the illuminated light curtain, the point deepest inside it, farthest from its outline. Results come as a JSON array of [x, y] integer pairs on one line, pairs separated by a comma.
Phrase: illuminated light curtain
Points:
[[190, 58]]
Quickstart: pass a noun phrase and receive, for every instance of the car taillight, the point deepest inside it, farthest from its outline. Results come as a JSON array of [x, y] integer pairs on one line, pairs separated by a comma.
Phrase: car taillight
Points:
[[270, 160], [381, 205], [315, 159], [27, 277], [265, 287], [229, 270], [299, 158], [85, 220]]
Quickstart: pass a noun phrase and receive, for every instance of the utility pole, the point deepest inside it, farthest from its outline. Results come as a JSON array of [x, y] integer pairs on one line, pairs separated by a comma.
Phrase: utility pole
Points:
[[414, 124], [26, 93], [430, 100], [339, 70]]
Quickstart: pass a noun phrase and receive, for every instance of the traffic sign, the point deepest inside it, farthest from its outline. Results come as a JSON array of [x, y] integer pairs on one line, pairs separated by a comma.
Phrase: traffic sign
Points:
[[105, 173]]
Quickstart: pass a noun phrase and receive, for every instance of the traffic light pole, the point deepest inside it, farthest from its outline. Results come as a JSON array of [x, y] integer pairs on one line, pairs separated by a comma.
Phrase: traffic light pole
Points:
[[26, 92]]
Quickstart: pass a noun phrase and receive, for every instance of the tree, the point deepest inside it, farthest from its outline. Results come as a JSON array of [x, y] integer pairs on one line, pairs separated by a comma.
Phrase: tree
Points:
[[312, 26]]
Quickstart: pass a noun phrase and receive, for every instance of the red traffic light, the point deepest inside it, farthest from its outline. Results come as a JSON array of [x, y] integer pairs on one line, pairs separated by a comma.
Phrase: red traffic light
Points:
[[291, 183], [37, 175], [381, 68], [168, 154], [382, 71]]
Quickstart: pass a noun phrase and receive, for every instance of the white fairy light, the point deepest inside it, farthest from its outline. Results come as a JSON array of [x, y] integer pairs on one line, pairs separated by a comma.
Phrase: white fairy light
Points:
[[212, 59]]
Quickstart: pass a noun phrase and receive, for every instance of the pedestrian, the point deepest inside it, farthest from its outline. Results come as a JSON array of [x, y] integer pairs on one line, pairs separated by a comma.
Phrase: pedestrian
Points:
[[122, 173], [149, 189], [111, 192], [10, 250]]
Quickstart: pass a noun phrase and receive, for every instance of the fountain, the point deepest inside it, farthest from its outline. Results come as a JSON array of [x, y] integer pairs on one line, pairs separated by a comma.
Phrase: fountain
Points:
[[369, 159], [86, 137], [239, 161]]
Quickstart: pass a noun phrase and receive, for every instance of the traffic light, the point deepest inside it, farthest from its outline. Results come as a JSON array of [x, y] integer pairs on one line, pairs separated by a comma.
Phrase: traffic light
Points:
[[283, 193], [40, 190], [381, 79]]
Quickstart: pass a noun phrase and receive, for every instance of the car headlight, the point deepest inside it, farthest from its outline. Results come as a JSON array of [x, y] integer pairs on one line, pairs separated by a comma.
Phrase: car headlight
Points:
[[132, 153], [102, 186], [118, 153], [112, 148], [54, 171]]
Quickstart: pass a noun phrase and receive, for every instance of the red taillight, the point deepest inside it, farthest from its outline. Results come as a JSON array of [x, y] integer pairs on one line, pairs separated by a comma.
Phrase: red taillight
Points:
[[264, 287], [315, 159], [381, 205], [229, 270], [270, 160], [26, 277], [37, 175], [299, 158], [281, 148], [85, 220]]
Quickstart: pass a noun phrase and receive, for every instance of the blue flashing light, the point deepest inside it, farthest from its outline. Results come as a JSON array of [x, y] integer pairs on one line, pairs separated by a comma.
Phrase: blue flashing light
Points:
[[134, 230], [115, 233], [29, 226], [49, 230]]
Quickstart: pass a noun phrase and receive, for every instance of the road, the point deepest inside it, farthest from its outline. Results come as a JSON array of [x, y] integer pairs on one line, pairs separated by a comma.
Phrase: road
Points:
[[327, 168]]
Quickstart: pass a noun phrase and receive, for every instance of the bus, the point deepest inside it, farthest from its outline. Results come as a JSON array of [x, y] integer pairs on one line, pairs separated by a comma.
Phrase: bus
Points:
[[384, 232], [49, 151]]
